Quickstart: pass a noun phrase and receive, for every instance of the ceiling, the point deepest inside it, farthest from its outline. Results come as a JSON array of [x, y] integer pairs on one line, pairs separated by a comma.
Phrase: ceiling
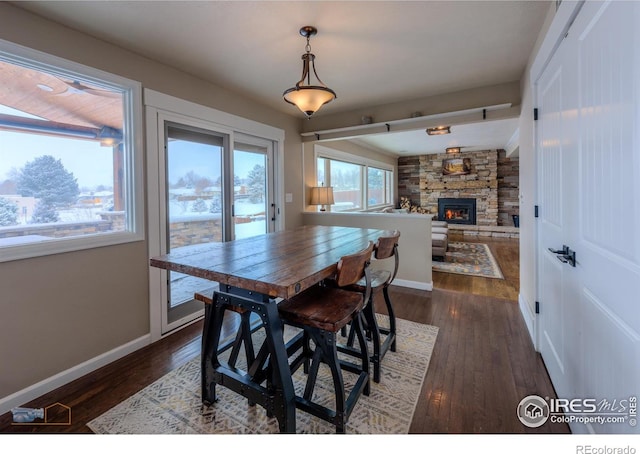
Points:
[[57, 99], [486, 135], [369, 52]]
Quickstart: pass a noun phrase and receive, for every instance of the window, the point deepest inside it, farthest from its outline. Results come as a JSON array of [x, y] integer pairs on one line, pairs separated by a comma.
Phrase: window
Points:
[[379, 187], [356, 185], [346, 180], [69, 165]]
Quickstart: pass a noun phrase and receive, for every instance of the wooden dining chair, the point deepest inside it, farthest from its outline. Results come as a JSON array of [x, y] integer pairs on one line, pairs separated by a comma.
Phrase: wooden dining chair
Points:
[[322, 311], [385, 248]]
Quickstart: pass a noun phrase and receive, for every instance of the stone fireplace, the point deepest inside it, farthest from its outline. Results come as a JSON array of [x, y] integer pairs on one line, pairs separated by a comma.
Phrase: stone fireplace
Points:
[[427, 183], [457, 211], [492, 182]]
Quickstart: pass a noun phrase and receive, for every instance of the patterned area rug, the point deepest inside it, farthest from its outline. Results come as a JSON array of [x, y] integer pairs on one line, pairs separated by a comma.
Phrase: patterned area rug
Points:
[[473, 259], [172, 404]]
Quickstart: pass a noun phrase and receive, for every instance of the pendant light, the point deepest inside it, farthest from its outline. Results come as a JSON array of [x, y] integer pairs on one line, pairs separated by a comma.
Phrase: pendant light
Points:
[[305, 96], [439, 130]]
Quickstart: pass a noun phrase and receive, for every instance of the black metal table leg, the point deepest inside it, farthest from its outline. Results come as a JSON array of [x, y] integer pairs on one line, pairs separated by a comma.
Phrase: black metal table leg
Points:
[[271, 363], [209, 345]]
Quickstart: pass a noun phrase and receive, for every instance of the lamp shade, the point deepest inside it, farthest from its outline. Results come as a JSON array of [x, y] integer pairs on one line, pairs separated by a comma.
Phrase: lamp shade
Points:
[[309, 98], [305, 95], [322, 195]]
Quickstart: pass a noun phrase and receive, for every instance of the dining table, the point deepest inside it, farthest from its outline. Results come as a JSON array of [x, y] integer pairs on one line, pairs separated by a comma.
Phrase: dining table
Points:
[[253, 274]]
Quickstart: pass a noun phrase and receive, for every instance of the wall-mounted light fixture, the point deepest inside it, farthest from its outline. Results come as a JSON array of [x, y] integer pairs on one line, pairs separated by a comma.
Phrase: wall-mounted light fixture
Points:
[[307, 97], [451, 150], [439, 130]]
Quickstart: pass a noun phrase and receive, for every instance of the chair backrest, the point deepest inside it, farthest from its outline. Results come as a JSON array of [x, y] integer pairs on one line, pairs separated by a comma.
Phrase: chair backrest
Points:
[[386, 246], [351, 268]]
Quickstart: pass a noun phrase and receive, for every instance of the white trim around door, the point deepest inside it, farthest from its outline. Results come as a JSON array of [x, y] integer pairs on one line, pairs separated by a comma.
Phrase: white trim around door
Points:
[[161, 108]]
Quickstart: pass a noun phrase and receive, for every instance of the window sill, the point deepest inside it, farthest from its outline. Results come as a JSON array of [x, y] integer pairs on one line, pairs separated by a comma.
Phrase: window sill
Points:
[[50, 246]]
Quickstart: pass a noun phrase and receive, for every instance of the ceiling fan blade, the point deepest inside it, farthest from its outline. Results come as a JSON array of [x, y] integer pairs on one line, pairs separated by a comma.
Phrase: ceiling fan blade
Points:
[[78, 87]]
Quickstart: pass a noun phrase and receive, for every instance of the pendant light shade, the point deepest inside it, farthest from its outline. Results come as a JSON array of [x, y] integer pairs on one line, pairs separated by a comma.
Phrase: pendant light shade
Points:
[[307, 96]]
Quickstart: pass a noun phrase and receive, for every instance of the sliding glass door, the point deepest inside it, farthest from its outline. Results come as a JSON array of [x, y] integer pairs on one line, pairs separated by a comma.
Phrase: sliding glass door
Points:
[[194, 206], [207, 182], [253, 204], [215, 185]]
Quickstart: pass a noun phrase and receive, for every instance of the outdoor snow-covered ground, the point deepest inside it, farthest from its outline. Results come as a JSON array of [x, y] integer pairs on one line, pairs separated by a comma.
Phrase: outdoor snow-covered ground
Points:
[[183, 286], [244, 208], [79, 214]]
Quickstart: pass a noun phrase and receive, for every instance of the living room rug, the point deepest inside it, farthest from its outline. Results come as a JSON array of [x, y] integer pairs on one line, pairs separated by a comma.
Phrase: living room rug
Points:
[[473, 259], [172, 404]]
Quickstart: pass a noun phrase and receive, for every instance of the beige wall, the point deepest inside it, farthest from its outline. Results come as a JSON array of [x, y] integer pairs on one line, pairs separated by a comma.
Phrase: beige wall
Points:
[[58, 311], [61, 310]]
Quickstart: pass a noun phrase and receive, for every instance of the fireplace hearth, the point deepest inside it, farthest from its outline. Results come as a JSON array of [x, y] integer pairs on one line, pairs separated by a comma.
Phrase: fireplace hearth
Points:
[[457, 211]]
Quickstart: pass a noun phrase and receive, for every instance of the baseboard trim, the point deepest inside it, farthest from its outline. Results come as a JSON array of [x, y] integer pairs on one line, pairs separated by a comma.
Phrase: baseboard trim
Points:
[[414, 284], [529, 318], [67, 376]]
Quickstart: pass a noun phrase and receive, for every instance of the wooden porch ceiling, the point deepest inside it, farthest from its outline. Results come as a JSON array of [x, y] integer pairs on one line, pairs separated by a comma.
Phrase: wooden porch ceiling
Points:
[[58, 99]]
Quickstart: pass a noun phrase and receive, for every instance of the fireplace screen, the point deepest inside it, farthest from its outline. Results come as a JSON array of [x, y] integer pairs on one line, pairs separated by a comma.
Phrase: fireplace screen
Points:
[[457, 211]]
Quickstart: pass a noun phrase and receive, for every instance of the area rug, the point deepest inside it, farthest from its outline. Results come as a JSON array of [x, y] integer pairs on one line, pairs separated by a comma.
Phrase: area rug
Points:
[[172, 404], [474, 259]]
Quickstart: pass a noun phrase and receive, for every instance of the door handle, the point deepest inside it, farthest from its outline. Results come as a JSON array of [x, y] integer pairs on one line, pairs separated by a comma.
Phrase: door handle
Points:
[[563, 251], [565, 255]]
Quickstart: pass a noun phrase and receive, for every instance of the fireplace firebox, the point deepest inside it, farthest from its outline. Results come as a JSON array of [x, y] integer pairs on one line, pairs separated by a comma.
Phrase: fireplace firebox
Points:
[[457, 211]]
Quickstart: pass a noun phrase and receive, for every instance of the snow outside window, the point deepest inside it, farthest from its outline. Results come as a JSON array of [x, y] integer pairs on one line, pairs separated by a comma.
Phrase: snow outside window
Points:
[[69, 161]]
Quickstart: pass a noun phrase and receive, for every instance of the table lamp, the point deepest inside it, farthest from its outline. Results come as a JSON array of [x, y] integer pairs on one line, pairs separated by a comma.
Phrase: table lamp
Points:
[[321, 195]]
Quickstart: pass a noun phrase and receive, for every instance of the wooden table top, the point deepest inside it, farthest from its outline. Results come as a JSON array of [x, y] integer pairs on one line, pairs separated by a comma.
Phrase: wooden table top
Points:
[[278, 264]]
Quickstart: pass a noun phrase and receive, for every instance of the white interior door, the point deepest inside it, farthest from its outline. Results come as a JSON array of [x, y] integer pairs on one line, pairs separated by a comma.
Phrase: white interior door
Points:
[[589, 162], [607, 44], [556, 154]]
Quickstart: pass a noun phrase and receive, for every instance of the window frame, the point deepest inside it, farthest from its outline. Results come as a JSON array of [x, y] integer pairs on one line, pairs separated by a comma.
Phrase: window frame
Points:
[[329, 154], [386, 190], [363, 179], [133, 155]]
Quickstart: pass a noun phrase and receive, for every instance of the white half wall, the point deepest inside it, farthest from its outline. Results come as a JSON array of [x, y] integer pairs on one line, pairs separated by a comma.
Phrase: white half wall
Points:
[[414, 246]]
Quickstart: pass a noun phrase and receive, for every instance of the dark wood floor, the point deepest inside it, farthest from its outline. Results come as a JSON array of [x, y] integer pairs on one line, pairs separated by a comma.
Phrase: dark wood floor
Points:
[[483, 362], [506, 254]]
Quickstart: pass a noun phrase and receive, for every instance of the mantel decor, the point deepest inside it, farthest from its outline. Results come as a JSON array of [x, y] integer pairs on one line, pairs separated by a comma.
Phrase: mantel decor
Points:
[[456, 166]]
